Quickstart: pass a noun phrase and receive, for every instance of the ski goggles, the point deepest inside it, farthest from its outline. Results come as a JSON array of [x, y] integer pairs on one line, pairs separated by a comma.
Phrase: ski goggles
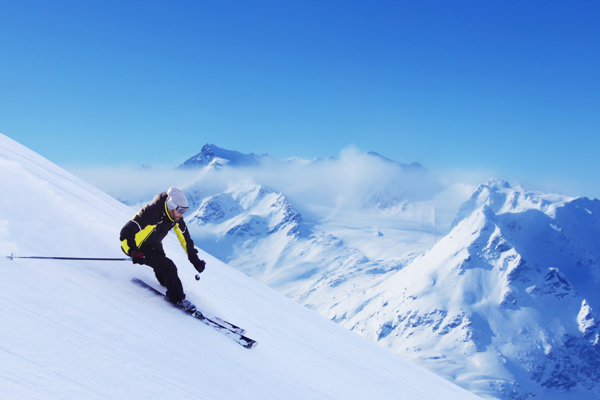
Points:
[[182, 210]]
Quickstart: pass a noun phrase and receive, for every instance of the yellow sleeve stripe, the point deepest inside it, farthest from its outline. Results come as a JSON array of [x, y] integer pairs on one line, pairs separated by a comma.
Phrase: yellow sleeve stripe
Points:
[[140, 238], [125, 246], [142, 235], [181, 238]]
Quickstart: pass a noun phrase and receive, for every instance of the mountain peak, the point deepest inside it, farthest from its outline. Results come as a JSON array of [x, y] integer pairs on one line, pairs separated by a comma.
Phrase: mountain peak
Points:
[[498, 184], [414, 166], [500, 197], [212, 155]]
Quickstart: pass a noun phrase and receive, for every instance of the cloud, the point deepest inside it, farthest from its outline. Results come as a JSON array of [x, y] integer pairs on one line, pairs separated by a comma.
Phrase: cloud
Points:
[[132, 184], [352, 182]]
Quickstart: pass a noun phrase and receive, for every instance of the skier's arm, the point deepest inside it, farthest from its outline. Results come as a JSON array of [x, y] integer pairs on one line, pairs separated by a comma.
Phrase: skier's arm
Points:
[[137, 230], [187, 243]]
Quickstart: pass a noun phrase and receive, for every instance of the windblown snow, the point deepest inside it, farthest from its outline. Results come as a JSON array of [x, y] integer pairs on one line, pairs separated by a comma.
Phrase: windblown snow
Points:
[[82, 330]]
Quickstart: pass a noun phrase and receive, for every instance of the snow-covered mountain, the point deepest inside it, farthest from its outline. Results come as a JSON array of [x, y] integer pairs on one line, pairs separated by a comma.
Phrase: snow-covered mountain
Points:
[[236, 220], [258, 231], [82, 330], [505, 304]]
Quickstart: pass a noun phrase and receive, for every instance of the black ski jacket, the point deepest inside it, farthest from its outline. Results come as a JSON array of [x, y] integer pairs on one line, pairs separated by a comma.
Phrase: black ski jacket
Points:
[[146, 230]]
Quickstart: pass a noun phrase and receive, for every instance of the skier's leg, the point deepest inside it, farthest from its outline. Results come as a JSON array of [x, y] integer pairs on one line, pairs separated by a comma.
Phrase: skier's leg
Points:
[[160, 278], [156, 251], [166, 269]]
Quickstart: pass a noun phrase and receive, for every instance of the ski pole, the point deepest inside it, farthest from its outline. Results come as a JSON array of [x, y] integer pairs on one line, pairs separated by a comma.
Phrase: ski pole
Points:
[[12, 257], [72, 258]]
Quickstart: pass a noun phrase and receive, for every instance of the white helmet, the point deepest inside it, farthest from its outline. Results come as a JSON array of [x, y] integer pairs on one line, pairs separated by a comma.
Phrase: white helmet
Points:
[[176, 199]]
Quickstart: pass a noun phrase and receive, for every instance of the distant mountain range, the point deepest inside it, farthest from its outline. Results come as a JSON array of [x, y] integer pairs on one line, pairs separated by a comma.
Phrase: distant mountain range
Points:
[[213, 156], [506, 304]]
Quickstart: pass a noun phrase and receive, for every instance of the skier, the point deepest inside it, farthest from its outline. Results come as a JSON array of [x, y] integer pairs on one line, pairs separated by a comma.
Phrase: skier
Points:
[[141, 238]]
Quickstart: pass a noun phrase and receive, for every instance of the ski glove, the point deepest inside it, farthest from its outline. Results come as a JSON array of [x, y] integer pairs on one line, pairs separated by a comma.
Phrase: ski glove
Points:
[[138, 257], [199, 265]]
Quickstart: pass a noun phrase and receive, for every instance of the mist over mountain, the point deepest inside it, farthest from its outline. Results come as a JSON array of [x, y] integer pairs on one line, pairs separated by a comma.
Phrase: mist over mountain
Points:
[[318, 189]]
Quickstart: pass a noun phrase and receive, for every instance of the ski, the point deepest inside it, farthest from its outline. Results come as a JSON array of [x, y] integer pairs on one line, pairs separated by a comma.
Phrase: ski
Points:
[[226, 328], [228, 325]]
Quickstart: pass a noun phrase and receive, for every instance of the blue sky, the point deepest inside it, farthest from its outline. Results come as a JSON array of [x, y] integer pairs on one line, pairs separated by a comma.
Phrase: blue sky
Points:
[[508, 87]]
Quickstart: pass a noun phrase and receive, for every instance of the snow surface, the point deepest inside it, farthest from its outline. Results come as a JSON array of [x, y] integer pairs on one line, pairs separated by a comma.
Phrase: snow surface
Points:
[[82, 330]]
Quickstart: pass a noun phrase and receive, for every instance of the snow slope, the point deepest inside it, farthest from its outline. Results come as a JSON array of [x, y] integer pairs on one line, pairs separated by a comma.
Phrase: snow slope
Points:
[[82, 330]]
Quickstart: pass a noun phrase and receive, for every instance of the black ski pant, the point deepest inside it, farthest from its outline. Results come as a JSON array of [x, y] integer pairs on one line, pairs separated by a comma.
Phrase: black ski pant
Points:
[[166, 273]]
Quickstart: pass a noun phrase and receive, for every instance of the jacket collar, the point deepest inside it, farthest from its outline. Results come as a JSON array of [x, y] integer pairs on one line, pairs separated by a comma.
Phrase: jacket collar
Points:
[[167, 211]]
